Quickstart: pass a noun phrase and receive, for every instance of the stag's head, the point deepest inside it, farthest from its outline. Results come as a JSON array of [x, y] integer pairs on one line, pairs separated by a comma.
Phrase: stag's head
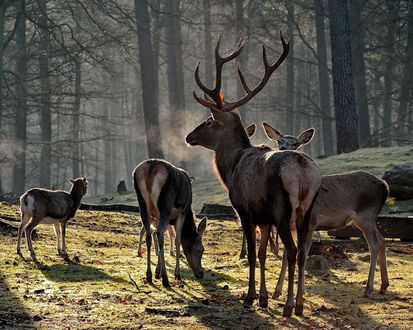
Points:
[[288, 142], [79, 186], [194, 249], [224, 125]]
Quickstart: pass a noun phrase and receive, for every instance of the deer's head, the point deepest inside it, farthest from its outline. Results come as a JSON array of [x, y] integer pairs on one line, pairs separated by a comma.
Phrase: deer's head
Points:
[[79, 186], [288, 142], [224, 126], [194, 249]]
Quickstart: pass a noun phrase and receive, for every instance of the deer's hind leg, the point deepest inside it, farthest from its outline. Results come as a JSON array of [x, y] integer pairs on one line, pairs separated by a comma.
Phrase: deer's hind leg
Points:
[[26, 216], [262, 256]]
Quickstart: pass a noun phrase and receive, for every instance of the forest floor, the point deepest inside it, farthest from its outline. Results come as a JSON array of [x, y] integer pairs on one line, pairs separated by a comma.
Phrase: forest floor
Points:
[[104, 285]]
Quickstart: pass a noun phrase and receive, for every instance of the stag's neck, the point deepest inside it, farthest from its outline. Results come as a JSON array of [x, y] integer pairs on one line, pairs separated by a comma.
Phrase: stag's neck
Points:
[[228, 154], [76, 195], [189, 226]]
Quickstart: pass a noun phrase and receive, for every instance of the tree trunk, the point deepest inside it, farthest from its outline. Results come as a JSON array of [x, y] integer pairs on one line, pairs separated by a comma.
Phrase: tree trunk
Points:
[[290, 71], [76, 121], [344, 102], [20, 142], [176, 87], [323, 80], [107, 149], [206, 6], [358, 44], [3, 7], [406, 84], [45, 113], [393, 10], [148, 79]]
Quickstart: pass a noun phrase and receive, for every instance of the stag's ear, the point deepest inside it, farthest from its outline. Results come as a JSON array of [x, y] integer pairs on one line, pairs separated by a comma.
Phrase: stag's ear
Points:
[[71, 181], [271, 133], [251, 130], [202, 226], [306, 136], [218, 115]]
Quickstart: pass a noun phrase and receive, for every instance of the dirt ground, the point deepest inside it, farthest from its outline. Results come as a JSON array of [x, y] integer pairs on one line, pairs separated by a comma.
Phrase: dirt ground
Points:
[[104, 286]]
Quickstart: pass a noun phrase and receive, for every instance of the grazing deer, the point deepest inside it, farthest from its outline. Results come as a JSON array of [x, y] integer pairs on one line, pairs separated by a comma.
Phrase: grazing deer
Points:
[[165, 198], [42, 206], [354, 197], [265, 186]]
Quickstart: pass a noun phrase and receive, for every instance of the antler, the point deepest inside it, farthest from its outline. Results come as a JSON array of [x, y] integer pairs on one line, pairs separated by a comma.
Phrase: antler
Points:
[[214, 93]]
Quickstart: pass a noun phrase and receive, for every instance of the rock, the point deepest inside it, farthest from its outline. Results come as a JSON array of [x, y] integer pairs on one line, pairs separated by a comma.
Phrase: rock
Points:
[[317, 265], [122, 187], [400, 181]]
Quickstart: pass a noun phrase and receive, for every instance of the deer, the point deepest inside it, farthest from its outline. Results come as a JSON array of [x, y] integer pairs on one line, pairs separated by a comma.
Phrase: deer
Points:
[[51, 207], [266, 187], [355, 197], [165, 197], [172, 236]]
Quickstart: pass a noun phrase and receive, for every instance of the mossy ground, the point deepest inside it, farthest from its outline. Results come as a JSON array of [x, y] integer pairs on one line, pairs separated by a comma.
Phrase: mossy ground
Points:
[[96, 290]]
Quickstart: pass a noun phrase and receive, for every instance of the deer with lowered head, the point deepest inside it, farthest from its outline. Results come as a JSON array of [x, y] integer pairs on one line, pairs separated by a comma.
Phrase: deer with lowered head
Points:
[[165, 197], [43, 206], [266, 187], [355, 197]]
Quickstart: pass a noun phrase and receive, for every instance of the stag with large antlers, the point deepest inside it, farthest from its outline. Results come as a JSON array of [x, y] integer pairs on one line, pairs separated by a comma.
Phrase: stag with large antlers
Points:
[[265, 186]]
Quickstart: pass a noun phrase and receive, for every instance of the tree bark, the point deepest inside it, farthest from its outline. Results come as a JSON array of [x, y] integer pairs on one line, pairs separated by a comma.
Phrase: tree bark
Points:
[[45, 113], [358, 44], [3, 7], [20, 140], [290, 71], [406, 84], [393, 11], [323, 80], [345, 106], [76, 121], [176, 87], [148, 79], [206, 6]]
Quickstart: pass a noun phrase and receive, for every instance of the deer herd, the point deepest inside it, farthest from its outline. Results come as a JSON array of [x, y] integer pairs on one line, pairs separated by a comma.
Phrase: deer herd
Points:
[[269, 188]]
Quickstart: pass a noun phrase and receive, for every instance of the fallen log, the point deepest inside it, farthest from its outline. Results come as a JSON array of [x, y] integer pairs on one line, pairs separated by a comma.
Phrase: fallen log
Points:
[[109, 207]]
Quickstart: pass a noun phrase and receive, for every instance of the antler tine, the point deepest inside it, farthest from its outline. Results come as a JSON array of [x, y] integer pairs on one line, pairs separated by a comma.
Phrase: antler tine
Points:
[[205, 103], [269, 69], [243, 82], [205, 89]]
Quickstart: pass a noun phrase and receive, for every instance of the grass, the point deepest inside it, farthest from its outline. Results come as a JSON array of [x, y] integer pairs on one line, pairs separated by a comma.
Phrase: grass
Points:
[[96, 291]]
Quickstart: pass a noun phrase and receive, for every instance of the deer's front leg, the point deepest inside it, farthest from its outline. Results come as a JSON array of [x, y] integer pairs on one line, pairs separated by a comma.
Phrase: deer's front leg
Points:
[[250, 235], [178, 231]]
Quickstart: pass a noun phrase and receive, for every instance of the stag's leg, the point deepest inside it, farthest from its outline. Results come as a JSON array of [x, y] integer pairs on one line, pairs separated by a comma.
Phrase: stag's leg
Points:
[[25, 220], [281, 277], [305, 234], [178, 229], [291, 249], [142, 232], [147, 227], [274, 241], [58, 233], [28, 231], [172, 238], [383, 262], [155, 243], [160, 233], [369, 233], [250, 235], [262, 255], [243, 252], [63, 229]]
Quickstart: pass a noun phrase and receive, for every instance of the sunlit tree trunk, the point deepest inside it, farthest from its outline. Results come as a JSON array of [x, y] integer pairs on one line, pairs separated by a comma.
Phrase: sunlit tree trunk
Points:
[[344, 102], [20, 142], [323, 79], [148, 81]]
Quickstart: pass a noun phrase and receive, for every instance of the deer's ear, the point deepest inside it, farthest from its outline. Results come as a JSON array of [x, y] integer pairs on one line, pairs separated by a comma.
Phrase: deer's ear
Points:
[[202, 226], [218, 115], [271, 133], [71, 181], [251, 130], [306, 136]]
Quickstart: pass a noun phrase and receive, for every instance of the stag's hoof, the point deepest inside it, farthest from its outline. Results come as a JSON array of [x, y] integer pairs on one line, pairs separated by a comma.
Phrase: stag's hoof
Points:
[[139, 254], [149, 278], [299, 310], [383, 288], [249, 300], [263, 301], [178, 277], [368, 292], [276, 295], [288, 310], [165, 282]]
